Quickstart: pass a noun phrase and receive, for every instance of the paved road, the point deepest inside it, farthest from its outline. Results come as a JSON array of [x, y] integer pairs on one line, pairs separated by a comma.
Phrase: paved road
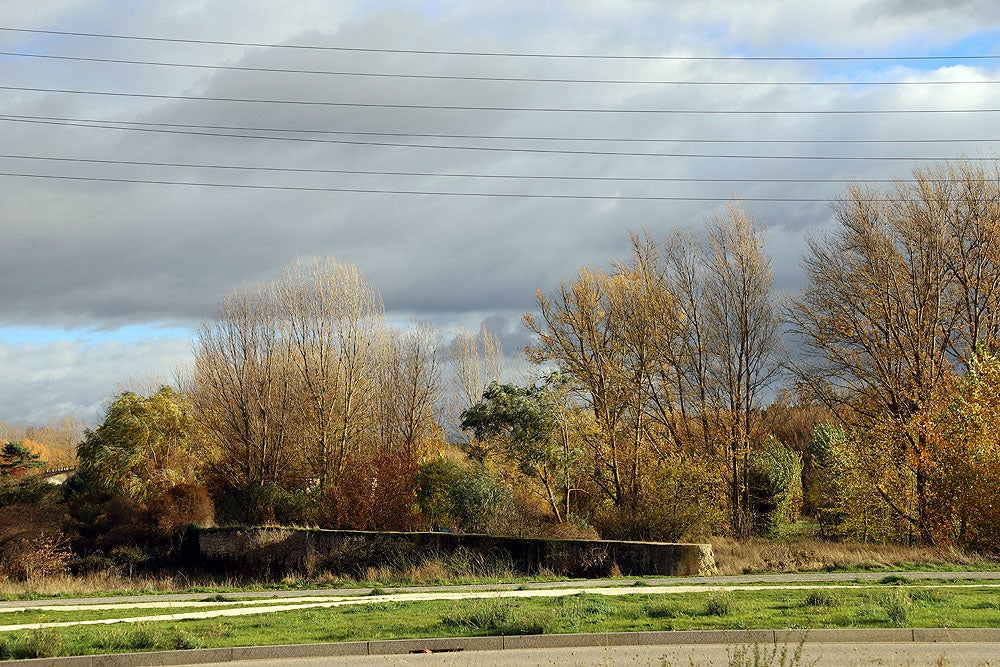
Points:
[[895, 655]]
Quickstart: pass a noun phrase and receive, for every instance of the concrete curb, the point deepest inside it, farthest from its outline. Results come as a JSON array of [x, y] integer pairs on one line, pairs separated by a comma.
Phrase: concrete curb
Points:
[[448, 645]]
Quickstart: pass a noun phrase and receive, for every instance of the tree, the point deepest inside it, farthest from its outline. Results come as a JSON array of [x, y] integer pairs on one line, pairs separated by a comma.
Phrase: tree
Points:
[[16, 461], [673, 352], [409, 392], [532, 424], [898, 298], [243, 392], [332, 320], [475, 360], [143, 446], [581, 331], [743, 334]]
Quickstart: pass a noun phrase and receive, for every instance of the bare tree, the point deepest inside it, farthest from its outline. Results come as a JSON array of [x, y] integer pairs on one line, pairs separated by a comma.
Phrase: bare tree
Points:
[[333, 322], [743, 334], [410, 391], [243, 391]]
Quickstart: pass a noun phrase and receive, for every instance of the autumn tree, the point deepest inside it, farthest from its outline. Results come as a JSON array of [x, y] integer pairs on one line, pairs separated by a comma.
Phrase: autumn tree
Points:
[[332, 321], [898, 298], [475, 359], [964, 466], [673, 352], [409, 394], [244, 393], [743, 337], [581, 331]]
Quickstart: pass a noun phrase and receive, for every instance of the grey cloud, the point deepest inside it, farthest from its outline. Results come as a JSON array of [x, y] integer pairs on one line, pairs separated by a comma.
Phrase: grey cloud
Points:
[[104, 255]]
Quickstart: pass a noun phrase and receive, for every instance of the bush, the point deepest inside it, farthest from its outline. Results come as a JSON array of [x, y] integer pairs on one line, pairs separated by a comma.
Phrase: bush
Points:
[[174, 510], [37, 556], [376, 493], [719, 604], [462, 498], [265, 505], [775, 487]]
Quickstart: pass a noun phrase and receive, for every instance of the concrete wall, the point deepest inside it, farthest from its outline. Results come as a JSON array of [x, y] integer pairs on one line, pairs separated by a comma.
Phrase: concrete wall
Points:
[[277, 549]]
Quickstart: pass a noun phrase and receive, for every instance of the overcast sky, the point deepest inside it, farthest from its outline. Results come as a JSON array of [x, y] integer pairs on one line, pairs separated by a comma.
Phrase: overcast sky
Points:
[[103, 280]]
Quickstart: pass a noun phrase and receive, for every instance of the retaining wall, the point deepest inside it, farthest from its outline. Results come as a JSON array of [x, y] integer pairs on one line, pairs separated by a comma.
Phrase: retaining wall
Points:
[[279, 549]]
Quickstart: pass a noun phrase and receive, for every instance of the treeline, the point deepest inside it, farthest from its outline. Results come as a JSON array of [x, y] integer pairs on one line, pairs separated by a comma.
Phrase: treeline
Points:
[[665, 404]]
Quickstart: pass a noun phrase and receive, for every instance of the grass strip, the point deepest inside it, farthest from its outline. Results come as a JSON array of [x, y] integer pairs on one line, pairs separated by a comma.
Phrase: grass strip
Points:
[[820, 607]]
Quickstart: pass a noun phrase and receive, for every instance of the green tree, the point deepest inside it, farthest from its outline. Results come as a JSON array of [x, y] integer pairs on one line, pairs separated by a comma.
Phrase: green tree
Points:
[[531, 426], [16, 460], [142, 447]]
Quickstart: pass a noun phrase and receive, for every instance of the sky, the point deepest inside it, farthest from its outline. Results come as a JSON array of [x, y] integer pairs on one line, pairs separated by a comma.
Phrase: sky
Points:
[[103, 279]]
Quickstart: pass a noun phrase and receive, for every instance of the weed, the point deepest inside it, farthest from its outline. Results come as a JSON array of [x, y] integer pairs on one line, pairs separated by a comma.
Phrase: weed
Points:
[[893, 579], [663, 610], [927, 596], [377, 591], [719, 604], [494, 616], [42, 643], [896, 604], [128, 637], [755, 656], [574, 611], [181, 640], [218, 597], [822, 598]]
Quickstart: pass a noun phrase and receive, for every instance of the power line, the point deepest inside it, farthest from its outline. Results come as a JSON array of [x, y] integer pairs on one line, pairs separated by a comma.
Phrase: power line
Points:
[[413, 192], [431, 174], [508, 54], [504, 79], [63, 120], [449, 107], [537, 151]]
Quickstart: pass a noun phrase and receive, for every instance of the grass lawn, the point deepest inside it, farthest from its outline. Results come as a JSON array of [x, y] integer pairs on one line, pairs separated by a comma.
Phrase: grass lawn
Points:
[[871, 606]]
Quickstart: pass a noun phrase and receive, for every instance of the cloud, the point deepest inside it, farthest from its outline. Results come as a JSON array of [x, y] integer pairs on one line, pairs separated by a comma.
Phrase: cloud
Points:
[[74, 377], [111, 255]]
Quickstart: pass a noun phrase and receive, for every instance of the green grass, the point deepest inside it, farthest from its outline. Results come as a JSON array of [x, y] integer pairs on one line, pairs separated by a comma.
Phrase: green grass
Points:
[[864, 607]]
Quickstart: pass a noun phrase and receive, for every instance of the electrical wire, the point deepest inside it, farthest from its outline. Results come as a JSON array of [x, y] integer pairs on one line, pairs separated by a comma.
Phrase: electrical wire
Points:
[[502, 79], [508, 54], [295, 188], [433, 174], [502, 137], [456, 107], [538, 151]]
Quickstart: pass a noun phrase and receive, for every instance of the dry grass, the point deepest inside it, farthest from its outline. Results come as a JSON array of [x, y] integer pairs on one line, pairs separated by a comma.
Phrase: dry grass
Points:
[[92, 583], [811, 555]]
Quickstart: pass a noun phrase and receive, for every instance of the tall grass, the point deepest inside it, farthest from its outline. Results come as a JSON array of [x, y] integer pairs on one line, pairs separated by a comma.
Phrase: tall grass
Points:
[[814, 555]]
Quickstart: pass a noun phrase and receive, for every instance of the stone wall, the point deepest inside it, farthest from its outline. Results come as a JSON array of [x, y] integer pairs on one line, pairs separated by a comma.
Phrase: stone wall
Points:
[[275, 549]]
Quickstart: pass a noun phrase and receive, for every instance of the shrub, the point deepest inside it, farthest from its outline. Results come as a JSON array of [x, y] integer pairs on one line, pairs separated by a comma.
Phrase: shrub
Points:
[[32, 557], [177, 508], [719, 604], [264, 505], [375, 493], [464, 498]]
